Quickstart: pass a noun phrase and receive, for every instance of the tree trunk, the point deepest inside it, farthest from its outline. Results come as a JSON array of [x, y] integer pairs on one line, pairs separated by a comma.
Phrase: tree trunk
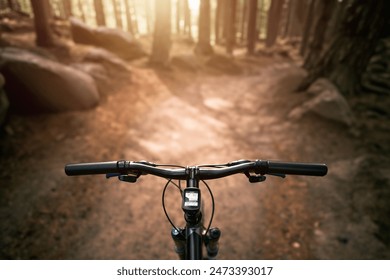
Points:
[[307, 27], [129, 18], [244, 21], [316, 45], [231, 25], [162, 33], [187, 20], [42, 17], [99, 11], [118, 14], [67, 4], [203, 46], [252, 36], [274, 16], [361, 28], [297, 14], [80, 6], [218, 21]]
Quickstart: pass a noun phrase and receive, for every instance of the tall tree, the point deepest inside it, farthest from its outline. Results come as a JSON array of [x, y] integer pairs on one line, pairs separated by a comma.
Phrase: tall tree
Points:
[[99, 12], [118, 13], [42, 17], [274, 16], [187, 20], [219, 20], [129, 18], [162, 33], [295, 18], [67, 4], [252, 36], [231, 25], [360, 29], [316, 45], [203, 46], [307, 27], [244, 20]]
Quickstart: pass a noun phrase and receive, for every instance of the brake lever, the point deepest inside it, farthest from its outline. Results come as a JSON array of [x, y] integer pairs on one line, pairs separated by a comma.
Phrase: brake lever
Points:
[[237, 162]]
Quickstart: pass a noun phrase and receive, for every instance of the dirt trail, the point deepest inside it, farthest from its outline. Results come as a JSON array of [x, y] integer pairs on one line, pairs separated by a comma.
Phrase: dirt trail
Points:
[[183, 118]]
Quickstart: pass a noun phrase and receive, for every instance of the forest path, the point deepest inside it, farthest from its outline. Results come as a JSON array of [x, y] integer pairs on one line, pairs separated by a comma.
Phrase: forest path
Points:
[[182, 118]]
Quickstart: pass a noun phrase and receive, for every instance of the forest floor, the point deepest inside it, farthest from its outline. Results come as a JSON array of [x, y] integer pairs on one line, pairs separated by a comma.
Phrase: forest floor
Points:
[[193, 117]]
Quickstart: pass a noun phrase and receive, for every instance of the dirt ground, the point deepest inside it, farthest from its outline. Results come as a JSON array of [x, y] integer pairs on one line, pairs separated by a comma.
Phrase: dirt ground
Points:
[[193, 117]]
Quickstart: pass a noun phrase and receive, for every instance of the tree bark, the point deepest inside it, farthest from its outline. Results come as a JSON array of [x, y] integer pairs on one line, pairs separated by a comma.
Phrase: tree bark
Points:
[[307, 27], [316, 45], [274, 16], [252, 36], [187, 20], [118, 15], [231, 25], [99, 11], [67, 4], [42, 17], [129, 18], [203, 46], [218, 21], [245, 21], [162, 33], [345, 60]]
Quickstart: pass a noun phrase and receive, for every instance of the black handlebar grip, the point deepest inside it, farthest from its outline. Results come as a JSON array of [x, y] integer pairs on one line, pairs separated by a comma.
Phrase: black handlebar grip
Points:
[[91, 168], [310, 169]]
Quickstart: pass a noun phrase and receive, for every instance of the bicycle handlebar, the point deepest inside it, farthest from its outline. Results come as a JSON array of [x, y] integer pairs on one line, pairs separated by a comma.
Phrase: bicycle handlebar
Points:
[[203, 173]]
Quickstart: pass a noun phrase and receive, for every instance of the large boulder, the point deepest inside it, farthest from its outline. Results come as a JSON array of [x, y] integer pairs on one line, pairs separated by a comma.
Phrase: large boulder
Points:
[[327, 102], [37, 84], [117, 41], [104, 67]]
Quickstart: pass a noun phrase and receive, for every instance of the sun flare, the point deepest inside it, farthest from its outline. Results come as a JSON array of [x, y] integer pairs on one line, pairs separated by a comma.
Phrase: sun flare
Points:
[[194, 5]]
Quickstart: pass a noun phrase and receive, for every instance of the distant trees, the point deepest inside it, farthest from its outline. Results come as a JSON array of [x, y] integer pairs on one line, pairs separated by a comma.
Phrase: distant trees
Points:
[[251, 33], [335, 38], [203, 46], [99, 12], [162, 33]]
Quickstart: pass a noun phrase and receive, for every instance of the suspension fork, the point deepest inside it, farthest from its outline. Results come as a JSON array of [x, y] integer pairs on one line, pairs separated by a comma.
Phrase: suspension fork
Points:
[[189, 241]]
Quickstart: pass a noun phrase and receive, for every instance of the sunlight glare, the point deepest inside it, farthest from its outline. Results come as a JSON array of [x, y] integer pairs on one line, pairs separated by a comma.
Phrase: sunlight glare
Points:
[[194, 5]]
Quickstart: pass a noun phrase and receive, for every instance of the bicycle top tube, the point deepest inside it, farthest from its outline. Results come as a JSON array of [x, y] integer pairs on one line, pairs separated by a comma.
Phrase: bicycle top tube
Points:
[[202, 172]]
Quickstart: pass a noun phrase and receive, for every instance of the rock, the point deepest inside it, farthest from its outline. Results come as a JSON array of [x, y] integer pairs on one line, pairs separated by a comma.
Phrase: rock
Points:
[[224, 63], [186, 62], [97, 72], [117, 41], [113, 64], [37, 84], [328, 103]]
